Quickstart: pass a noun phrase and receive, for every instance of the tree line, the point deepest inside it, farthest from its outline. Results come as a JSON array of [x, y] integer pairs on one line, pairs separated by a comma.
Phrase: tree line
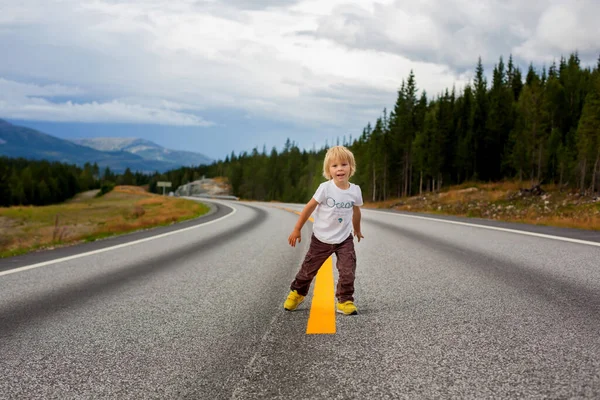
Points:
[[537, 126], [40, 182]]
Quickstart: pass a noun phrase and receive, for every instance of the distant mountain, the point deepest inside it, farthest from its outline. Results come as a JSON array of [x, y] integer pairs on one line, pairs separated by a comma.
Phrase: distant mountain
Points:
[[18, 141], [147, 150]]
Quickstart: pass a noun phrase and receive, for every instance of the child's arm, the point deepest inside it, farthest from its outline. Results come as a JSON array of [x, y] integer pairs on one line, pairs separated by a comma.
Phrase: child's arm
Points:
[[356, 222], [306, 212]]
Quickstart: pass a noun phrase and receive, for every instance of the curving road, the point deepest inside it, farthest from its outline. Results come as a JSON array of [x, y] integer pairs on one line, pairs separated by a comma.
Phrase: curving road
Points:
[[447, 310]]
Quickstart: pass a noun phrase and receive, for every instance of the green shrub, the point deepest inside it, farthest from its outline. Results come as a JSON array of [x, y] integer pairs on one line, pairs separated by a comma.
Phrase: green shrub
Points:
[[105, 188]]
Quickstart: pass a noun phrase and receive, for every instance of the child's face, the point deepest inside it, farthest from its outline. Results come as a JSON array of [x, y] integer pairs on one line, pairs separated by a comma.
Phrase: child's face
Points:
[[340, 172]]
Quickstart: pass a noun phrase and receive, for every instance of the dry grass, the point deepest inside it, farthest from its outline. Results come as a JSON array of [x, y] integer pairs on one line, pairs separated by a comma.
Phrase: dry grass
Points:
[[125, 209], [132, 190], [501, 201], [589, 222], [84, 196]]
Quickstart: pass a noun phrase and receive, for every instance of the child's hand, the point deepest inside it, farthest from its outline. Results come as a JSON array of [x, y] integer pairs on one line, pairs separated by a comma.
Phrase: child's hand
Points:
[[295, 235], [358, 235]]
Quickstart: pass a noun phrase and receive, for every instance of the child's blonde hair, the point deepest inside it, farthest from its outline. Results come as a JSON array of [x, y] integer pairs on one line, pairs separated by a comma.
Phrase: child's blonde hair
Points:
[[340, 154]]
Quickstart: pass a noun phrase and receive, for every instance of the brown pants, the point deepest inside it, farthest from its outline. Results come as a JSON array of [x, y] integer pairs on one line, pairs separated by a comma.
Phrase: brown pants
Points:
[[318, 252]]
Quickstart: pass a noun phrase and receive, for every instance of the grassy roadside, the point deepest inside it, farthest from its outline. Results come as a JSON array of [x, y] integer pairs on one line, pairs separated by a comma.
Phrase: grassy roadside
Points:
[[506, 201], [125, 209]]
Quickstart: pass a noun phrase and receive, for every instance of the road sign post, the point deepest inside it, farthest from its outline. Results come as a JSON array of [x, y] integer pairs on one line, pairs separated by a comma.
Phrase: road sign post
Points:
[[163, 185]]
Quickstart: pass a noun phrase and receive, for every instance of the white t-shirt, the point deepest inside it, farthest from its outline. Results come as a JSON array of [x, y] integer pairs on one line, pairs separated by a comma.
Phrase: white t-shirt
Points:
[[333, 215]]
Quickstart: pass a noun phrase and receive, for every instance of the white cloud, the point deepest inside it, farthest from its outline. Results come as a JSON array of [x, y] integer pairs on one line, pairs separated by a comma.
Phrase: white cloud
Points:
[[456, 32], [563, 28], [28, 101], [315, 63], [114, 111], [11, 89]]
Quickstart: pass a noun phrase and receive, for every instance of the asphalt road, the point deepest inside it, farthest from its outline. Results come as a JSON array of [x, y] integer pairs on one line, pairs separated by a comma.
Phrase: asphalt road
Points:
[[446, 310]]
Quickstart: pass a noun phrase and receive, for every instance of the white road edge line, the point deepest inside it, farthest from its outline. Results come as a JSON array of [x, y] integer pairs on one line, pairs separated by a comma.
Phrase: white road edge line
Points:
[[118, 246], [494, 228]]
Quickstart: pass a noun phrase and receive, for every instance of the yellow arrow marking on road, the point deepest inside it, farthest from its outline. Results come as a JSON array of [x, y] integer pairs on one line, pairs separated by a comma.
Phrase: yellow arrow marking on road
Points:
[[322, 308], [321, 319]]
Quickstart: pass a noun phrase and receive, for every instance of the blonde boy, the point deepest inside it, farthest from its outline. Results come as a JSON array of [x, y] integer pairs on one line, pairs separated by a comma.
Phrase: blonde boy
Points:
[[336, 209]]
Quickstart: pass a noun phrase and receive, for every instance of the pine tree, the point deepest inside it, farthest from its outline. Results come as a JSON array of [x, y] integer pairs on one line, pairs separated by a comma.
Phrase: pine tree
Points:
[[420, 157], [588, 137], [532, 76], [376, 146], [127, 178], [407, 131], [528, 139], [43, 193], [552, 73], [499, 122], [479, 123], [465, 152], [4, 182], [26, 177], [436, 142], [396, 126], [444, 138], [516, 84], [17, 190], [552, 104]]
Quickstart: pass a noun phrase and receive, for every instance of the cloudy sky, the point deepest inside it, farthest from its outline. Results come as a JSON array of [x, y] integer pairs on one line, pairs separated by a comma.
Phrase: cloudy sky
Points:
[[215, 76]]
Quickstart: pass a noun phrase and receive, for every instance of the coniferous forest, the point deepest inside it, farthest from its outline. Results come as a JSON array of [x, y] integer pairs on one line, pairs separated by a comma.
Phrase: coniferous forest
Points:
[[39, 182], [534, 126], [537, 126]]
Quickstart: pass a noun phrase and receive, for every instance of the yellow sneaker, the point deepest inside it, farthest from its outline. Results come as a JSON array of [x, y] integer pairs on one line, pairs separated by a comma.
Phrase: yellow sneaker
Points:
[[347, 308], [293, 301]]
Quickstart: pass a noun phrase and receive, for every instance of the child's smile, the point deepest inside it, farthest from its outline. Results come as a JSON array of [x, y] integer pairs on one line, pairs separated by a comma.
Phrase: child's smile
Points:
[[340, 172]]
